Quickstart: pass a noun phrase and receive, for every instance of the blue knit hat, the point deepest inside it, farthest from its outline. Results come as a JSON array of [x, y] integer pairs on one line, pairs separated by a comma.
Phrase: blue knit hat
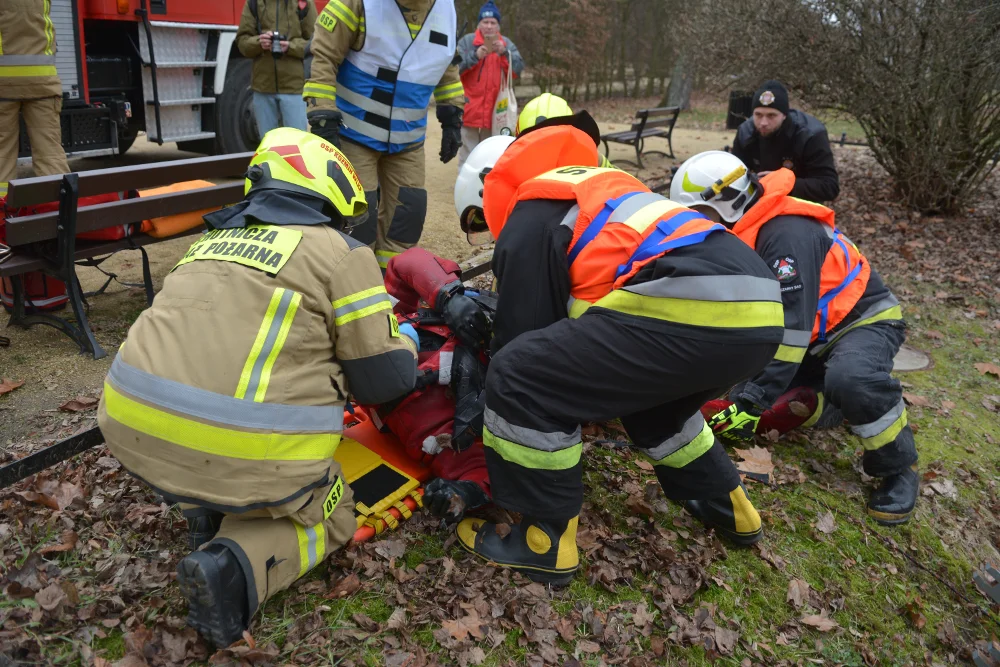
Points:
[[489, 11]]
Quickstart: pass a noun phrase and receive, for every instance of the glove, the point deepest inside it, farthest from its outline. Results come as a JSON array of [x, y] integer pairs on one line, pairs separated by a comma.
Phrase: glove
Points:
[[737, 424], [463, 316], [326, 123], [408, 330], [451, 131], [450, 499]]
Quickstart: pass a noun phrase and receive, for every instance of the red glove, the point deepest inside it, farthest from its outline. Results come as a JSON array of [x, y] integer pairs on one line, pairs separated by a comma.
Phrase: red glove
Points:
[[416, 275]]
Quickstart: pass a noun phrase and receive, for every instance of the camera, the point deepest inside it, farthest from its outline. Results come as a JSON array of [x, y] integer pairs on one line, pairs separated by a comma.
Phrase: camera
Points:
[[276, 39]]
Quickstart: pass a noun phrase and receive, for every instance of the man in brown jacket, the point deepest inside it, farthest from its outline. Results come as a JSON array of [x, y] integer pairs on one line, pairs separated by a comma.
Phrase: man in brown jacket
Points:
[[376, 65], [275, 34], [228, 396], [29, 85]]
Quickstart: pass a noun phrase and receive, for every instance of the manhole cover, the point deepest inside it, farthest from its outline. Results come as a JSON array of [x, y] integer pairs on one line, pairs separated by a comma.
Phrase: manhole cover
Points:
[[908, 359]]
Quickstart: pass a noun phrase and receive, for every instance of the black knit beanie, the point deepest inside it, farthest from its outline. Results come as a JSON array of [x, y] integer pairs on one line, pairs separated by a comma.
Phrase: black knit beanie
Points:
[[771, 95]]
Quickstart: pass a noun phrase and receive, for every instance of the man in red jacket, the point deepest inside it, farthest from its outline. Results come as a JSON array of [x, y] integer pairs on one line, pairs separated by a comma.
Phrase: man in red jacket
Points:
[[484, 60]]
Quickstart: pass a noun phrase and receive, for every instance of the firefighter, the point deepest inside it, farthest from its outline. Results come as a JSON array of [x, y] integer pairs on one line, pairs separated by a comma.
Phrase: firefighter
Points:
[[30, 86], [842, 324], [229, 394], [613, 302], [542, 108], [368, 94]]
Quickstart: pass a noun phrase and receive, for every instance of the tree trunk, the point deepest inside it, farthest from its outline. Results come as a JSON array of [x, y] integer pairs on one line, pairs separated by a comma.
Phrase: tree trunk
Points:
[[681, 84]]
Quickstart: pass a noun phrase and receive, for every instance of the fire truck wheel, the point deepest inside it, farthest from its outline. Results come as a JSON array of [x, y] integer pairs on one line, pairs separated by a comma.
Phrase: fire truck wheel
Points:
[[235, 122]]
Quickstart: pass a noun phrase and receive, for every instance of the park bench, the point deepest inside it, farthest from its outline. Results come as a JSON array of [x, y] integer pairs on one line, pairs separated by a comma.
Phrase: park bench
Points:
[[658, 122], [48, 242]]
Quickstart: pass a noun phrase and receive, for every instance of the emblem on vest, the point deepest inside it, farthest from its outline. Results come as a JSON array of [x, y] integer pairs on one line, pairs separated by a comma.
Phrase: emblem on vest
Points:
[[784, 269]]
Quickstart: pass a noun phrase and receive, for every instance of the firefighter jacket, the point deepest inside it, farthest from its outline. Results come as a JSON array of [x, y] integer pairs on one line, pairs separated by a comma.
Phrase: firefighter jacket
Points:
[[382, 80], [800, 144], [827, 286], [284, 75], [27, 51], [578, 236], [230, 390]]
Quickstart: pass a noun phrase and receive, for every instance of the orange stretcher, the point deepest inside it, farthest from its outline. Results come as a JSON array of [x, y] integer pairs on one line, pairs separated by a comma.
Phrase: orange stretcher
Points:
[[386, 482]]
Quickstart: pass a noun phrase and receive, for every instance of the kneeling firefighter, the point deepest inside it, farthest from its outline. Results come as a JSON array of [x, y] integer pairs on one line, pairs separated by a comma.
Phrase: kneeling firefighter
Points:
[[842, 325], [228, 396], [613, 302]]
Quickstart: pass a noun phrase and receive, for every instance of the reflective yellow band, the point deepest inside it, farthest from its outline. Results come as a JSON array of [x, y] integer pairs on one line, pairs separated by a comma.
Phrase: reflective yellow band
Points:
[[817, 413], [894, 313], [361, 304], [442, 93], [267, 345], [414, 29], [383, 257], [312, 546], [3, 188], [319, 90], [50, 31], [358, 296], [714, 314], [793, 355], [364, 312], [339, 10], [215, 440], [688, 453], [283, 329], [535, 459], [27, 70], [886, 436]]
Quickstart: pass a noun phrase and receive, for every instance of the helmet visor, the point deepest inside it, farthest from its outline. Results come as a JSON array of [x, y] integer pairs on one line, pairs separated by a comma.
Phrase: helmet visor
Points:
[[474, 225]]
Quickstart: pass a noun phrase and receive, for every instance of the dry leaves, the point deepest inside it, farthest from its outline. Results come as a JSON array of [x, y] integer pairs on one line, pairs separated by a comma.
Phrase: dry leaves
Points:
[[51, 493], [7, 385], [461, 629], [79, 404], [755, 460], [821, 622], [825, 523], [798, 593], [914, 399], [983, 369], [67, 541], [348, 585]]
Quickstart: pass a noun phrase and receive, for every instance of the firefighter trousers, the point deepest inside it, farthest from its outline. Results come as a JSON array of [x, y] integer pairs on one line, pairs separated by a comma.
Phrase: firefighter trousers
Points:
[[41, 117], [604, 365], [853, 375], [396, 182], [278, 545]]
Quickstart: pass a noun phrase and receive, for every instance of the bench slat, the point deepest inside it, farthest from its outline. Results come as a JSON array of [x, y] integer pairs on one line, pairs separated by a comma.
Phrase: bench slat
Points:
[[43, 189], [44, 226]]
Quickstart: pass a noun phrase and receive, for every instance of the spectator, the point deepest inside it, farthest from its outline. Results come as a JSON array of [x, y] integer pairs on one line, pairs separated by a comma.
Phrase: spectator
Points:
[[484, 60], [278, 74], [779, 137]]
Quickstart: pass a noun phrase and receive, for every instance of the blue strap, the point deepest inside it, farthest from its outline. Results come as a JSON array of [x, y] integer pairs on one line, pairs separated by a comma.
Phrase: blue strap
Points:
[[824, 302], [597, 224], [657, 244]]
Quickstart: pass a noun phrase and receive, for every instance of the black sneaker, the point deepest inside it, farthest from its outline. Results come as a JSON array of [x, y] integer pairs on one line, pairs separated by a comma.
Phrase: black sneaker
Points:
[[215, 586]]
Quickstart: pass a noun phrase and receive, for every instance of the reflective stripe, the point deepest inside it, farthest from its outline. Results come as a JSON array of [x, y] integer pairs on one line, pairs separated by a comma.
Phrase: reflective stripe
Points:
[[383, 257], [30, 70], [725, 314], [50, 32], [797, 337], [208, 405], [320, 91], [634, 204], [792, 355], [569, 220], [685, 455], [445, 360], [885, 309], [384, 110], [215, 440], [312, 545], [711, 288], [689, 431], [817, 413], [380, 134], [882, 423], [529, 437], [341, 11], [360, 304], [27, 60], [533, 458], [270, 339], [442, 93], [3, 188]]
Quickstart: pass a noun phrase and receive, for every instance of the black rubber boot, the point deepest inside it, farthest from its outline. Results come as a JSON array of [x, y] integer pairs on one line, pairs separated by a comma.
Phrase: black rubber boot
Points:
[[215, 586], [733, 517], [892, 503], [203, 524], [545, 551]]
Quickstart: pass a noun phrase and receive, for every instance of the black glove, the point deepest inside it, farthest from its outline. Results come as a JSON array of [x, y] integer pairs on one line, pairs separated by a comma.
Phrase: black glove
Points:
[[451, 131], [326, 123], [450, 500], [463, 316]]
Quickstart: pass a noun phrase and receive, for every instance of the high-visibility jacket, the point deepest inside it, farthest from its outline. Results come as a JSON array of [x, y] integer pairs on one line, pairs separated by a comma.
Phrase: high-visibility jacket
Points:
[[27, 51], [620, 226], [229, 392], [845, 271]]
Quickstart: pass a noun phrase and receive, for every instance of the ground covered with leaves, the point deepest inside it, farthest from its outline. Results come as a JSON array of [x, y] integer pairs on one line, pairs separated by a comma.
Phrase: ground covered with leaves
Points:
[[87, 554]]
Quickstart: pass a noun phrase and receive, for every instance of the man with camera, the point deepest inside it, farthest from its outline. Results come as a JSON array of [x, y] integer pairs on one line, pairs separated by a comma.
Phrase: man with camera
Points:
[[275, 34]]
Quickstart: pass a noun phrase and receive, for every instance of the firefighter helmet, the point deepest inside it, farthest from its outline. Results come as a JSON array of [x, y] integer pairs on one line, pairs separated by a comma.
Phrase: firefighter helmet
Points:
[[295, 161], [541, 108], [718, 180], [469, 185]]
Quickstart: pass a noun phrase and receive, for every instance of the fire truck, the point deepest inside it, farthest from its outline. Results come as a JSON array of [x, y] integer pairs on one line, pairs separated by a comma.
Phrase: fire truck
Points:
[[169, 68]]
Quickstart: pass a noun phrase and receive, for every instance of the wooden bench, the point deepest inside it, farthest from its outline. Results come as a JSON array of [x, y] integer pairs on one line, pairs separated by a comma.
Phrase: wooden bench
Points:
[[658, 122], [47, 241]]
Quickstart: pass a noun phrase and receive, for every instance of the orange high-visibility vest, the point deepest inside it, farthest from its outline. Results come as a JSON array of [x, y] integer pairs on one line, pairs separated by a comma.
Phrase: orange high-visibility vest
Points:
[[845, 272]]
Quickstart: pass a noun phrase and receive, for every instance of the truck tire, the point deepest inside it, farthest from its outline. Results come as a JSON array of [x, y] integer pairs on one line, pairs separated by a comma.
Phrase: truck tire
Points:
[[236, 125]]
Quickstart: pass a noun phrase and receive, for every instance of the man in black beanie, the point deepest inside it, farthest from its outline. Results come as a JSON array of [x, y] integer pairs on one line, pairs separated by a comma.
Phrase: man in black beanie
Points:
[[777, 137]]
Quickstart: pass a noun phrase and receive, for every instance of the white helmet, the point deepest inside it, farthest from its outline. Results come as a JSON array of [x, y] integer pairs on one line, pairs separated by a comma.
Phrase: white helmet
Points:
[[716, 179], [469, 185]]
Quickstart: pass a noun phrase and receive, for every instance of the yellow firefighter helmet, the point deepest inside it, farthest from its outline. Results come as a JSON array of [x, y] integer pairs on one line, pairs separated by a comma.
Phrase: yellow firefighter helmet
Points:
[[541, 108]]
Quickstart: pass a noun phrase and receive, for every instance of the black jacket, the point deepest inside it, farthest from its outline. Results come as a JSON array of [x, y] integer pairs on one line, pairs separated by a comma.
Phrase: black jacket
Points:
[[801, 144]]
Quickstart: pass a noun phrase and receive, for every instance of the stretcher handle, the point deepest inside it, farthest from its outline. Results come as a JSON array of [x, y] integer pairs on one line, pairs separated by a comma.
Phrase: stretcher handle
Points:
[[365, 533]]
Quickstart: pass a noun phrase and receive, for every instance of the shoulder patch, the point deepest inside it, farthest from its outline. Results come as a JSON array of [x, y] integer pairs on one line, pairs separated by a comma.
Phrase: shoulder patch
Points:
[[785, 269]]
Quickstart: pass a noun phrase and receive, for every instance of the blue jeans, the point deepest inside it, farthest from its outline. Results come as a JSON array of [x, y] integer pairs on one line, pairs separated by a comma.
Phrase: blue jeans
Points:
[[276, 110]]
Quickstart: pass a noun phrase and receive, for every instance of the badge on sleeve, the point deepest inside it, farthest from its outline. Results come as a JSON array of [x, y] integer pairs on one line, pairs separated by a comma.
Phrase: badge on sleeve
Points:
[[784, 269]]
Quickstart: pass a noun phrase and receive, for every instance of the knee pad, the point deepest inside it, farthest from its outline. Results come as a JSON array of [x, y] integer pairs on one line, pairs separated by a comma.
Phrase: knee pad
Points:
[[408, 218], [367, 231]]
